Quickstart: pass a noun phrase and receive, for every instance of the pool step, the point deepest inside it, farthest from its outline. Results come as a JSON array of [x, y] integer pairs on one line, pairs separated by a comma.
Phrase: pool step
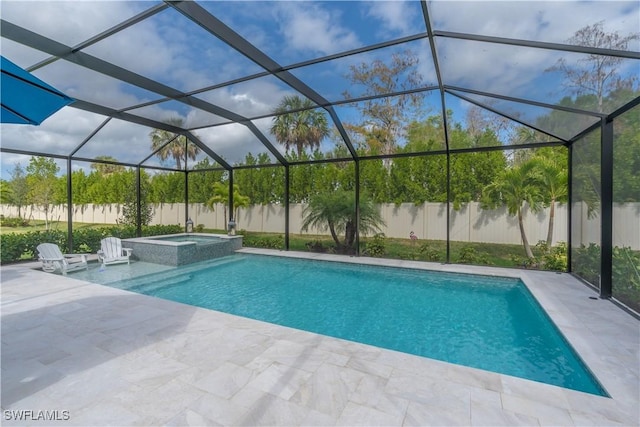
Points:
[[151, 288], [179, 276]]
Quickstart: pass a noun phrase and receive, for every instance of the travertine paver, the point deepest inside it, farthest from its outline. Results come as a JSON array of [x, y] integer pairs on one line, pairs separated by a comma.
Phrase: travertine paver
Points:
[[110, 357]]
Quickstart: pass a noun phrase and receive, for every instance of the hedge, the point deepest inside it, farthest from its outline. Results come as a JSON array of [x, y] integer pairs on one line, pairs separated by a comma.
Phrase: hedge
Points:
[[20, 246]]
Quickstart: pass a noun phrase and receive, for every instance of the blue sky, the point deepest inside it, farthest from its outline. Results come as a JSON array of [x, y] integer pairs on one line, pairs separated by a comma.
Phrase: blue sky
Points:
[[170, 49]]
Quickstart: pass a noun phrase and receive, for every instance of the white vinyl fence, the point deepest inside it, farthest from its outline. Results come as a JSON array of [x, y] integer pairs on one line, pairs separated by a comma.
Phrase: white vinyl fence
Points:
[[427, 221]]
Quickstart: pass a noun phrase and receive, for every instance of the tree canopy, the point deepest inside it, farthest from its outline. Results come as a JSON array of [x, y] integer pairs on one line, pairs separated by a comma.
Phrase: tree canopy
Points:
[[297, 125]]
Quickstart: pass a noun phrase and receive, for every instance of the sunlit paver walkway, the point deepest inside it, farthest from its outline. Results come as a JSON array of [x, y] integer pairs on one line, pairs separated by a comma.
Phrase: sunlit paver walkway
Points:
[[102, 356]]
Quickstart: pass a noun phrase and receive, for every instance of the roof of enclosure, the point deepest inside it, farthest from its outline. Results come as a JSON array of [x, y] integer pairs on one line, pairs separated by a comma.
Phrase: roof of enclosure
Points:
[[216, 71]]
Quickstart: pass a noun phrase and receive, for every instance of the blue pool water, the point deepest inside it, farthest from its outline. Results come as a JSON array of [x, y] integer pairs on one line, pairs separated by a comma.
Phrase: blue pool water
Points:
[[479, 321]]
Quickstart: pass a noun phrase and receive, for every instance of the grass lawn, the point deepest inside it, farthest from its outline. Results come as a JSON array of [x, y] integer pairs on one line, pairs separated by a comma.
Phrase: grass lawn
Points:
[[499, 255], [39, 225]]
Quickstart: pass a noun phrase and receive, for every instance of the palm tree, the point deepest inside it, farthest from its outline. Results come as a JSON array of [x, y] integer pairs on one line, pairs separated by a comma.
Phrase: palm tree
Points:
[[553, 181], [336, 211], [221, 195], [107, 168], [514, 187], [302, 128], [177, 149]]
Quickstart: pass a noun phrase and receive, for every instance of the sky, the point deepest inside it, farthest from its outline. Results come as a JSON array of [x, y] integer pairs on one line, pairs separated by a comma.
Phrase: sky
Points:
[[172, 50]]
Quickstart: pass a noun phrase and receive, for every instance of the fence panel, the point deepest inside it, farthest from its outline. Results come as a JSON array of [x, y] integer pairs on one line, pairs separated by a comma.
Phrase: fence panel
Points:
[[469, 224]]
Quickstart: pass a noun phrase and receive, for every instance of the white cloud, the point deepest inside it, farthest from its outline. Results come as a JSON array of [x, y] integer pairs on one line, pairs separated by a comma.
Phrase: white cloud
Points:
[[87, 85], [63, 132], [396, 16], [232, 142], [58, 134], [127, 142], [512, 70], [141, 49], [69, 22], [249, 99], [551, 21], [308, 27]]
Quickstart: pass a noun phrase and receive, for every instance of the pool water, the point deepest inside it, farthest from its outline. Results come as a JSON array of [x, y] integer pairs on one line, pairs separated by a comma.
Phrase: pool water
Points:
[[484, 322]]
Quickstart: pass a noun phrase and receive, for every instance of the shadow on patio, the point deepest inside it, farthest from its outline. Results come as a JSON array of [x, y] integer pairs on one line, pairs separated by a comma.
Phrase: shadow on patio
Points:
[[52, 333]]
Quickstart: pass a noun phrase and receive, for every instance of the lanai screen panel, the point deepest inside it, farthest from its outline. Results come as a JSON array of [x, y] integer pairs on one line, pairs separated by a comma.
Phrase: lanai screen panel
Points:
[[383, 71], [106, 186], [233, 143], [586, 208], [174, 51], [557, 123], [84, 84], [119, 141], [409, 123], [265, 188], [292, 32], [177, 152], [626, 211], [304, 145], [471, 126], [542, 21], [532, 74], [178, 114], [59, 134], [253, 98], [71, 22]]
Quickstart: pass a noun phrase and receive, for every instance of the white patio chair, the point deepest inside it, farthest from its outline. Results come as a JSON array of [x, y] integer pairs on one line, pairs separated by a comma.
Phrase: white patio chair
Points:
[[53, 259], [112, 252]]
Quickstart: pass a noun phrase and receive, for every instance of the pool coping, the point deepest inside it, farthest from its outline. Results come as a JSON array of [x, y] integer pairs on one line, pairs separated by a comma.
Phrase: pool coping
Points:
[[158, 238], [348, 384]]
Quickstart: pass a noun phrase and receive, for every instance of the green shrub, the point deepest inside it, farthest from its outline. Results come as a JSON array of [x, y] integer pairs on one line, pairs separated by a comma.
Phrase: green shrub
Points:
[[469, 255], [156, 230], [555, 258], [586, 263], [12, 246], [523, 261], [626, 276], [89, 238], [84, 249], [376, 246], [428, 253], [15, 246], [13, 222], [316, 246], [267, 242]]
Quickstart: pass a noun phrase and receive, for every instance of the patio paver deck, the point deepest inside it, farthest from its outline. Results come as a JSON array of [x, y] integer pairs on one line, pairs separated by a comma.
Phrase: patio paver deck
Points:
[[111, 357]]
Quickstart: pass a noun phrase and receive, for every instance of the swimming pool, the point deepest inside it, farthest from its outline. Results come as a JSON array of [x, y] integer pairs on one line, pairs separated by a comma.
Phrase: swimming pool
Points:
[[490, 323]]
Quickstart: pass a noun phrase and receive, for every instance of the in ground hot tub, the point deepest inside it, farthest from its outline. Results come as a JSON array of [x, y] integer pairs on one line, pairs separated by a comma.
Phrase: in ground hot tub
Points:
[[180, 249]]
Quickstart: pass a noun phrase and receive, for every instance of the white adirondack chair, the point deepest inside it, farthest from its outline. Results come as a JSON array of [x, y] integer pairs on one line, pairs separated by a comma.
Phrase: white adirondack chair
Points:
[[112, 252], [53, 259]]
